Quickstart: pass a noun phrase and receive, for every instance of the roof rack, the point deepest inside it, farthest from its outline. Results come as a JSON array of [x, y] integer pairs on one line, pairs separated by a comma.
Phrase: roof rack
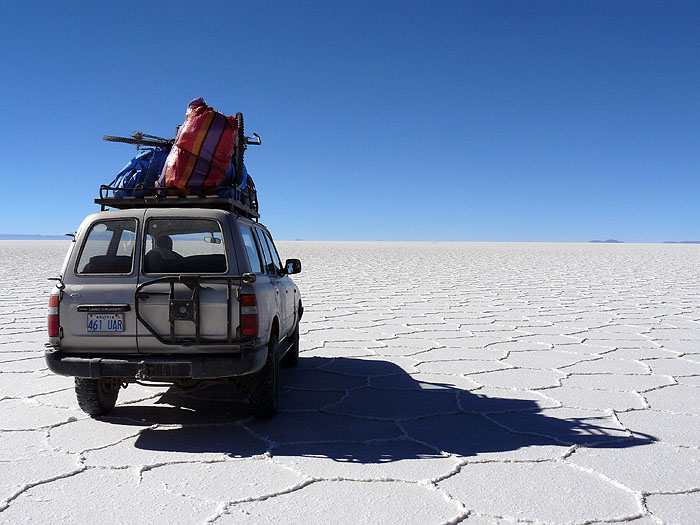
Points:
[[243, 203]]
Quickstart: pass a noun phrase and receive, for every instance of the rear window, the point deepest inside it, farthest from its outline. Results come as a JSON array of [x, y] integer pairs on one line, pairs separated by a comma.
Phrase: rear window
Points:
[[108, 248], [184, 246]]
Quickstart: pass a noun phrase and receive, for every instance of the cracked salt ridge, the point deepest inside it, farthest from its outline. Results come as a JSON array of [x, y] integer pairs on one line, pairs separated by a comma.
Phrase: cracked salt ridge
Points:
[[491, 308]]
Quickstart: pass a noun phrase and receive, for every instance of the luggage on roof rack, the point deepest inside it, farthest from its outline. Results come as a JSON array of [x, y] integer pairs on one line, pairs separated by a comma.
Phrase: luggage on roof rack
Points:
[[206, 183], [141, 172], [202, 152]]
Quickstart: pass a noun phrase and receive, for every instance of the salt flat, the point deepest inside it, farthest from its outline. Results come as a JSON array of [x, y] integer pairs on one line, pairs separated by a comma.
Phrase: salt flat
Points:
[[439, 382]]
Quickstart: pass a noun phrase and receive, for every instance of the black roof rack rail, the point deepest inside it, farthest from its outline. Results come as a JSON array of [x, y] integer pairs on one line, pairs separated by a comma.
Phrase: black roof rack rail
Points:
[[243, 203]]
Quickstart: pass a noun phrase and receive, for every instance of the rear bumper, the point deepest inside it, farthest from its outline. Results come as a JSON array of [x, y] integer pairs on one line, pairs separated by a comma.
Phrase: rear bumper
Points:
[[200, 366]]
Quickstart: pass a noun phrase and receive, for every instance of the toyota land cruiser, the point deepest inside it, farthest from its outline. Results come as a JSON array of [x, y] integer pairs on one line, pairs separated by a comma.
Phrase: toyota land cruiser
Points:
[[173, 295]]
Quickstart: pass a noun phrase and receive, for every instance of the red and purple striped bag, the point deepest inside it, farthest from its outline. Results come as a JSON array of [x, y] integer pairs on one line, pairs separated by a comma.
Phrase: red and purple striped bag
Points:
[[202, 151]]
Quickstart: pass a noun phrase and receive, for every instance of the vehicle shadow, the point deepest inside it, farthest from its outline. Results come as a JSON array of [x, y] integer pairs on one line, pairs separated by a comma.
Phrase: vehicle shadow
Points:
[[367, 411]]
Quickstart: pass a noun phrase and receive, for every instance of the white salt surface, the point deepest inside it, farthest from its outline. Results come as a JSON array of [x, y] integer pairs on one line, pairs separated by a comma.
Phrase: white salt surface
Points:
[[439, 382]]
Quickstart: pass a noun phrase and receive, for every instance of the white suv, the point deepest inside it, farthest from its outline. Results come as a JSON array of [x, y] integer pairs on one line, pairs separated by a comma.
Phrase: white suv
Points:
[[175, 295]]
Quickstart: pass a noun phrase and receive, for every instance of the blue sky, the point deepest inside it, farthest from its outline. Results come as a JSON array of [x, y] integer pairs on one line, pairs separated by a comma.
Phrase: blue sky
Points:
[[464, 121]]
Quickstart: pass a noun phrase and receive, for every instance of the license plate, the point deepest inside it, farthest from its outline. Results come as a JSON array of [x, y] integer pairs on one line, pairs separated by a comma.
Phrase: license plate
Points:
[[105, 322]]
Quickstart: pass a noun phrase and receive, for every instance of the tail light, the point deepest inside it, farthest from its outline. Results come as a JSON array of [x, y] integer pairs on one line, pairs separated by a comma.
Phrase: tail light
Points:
[[249, 314], [53, 318]]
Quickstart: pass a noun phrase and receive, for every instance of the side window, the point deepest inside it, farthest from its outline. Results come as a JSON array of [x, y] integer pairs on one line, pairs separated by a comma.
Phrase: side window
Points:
[[265, 249], [251, 249], [108, 248], [184, 246], [273, 251]]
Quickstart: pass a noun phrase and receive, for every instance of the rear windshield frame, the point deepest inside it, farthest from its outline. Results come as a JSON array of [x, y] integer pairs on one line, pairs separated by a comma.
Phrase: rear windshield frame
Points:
[[224, 240], [87, 236]]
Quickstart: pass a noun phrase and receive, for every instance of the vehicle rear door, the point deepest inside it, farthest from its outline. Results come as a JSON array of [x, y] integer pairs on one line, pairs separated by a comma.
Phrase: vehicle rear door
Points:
[[186, 299], [96, 310]]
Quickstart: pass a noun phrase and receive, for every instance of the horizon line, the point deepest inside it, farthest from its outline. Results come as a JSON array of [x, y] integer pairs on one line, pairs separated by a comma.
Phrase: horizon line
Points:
[[41, 236]]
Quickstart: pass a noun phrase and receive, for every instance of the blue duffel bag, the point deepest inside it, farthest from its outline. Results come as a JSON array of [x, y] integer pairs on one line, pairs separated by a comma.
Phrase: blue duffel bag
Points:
[[226, 189], [140, 173], [231, 176]]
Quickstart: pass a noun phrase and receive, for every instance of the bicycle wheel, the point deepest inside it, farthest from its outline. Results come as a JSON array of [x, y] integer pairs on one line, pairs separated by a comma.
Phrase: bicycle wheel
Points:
[[239, 150]]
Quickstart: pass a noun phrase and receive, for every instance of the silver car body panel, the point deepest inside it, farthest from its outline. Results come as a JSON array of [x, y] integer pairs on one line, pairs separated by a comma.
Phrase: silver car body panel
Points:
[[84, 294], [277, 296], [213, 296]]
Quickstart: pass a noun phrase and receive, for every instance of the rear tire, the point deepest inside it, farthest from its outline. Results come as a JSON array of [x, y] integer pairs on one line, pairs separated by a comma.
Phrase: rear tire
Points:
[[96, 397], [263, 385], [291, 358]]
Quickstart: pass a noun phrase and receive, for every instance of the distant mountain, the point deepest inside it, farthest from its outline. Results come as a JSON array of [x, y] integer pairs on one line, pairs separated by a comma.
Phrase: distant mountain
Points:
[[30, 237], [609, 241], [681, 242]]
